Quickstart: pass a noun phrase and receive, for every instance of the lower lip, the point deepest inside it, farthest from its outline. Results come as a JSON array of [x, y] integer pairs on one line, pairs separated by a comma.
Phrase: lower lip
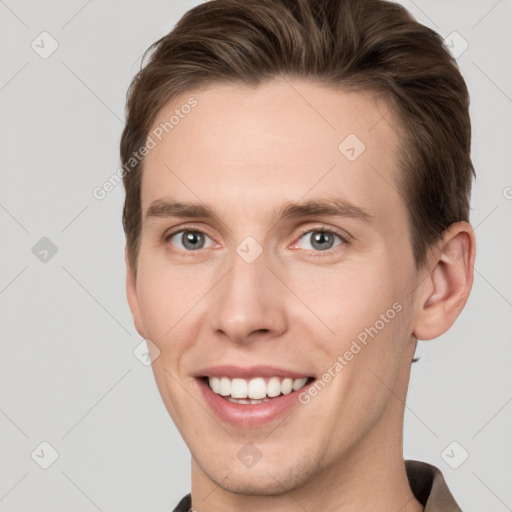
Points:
[[249, 414]]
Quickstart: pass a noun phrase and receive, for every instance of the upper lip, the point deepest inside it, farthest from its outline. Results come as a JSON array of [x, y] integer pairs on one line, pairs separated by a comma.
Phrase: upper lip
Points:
[[249, 372]]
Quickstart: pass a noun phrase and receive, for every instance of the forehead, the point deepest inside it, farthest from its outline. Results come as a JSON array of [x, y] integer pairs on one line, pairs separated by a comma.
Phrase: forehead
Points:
[[254, 148]]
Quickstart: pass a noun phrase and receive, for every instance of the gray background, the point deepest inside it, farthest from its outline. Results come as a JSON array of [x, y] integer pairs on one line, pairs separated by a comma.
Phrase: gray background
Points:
[[68, 373]]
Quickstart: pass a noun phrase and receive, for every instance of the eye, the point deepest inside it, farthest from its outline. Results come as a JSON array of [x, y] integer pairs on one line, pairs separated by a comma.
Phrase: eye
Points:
[[189, 240], [319, 240]]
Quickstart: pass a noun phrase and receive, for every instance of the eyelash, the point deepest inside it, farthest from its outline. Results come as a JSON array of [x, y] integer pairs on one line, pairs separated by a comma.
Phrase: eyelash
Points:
[[322, 229]]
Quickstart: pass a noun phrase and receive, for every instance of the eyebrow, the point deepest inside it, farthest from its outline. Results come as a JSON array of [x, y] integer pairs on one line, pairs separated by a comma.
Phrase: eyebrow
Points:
[[162, 208]]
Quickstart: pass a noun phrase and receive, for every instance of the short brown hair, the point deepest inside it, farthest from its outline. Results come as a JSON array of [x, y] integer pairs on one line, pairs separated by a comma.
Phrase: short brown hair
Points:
[[351, 45]]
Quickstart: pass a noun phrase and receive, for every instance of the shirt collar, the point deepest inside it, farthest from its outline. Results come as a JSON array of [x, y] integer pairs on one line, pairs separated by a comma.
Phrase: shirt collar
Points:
[[429, 487]]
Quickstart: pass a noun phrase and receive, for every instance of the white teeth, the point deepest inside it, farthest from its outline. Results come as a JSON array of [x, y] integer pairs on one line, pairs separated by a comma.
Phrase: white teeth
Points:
[[239, 388], [239, 400], [225, 387], [286, 386], [215, 384], [248, 401], [255, 390], [298, 383], [273, 387]]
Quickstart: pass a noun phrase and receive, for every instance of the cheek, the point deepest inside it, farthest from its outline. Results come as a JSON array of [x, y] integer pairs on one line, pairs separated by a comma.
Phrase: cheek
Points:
[[361, 316], [156, 302], [346, 298], [171, 297]]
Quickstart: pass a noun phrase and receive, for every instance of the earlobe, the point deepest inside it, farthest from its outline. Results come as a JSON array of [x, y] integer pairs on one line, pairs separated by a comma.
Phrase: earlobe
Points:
[[133, 299], [445, 291]]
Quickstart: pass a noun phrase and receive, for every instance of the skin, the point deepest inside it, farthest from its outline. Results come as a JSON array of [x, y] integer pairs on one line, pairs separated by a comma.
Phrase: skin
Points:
[[244, 151]]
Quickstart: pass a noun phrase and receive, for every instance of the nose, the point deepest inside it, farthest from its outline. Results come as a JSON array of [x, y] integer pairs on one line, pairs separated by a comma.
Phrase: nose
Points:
[[248, 302]]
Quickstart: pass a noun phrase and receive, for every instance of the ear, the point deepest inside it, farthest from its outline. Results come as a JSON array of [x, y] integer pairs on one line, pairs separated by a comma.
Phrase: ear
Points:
[[444, 293], [131, 294]]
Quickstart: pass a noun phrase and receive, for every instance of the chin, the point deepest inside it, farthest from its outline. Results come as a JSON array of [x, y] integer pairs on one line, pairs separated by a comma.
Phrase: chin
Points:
[[257, 484], [264, 479]]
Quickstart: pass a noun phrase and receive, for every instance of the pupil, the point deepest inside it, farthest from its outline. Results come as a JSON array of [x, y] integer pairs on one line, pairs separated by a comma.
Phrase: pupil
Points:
[[320, 239], [190, 239]]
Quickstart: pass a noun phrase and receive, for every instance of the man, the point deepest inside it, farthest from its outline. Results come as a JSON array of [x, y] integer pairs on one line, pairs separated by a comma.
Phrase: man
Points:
[[298, 179]]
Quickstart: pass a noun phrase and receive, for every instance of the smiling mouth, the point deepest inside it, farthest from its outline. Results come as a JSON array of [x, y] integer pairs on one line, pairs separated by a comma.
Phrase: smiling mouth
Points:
[[256, 390]]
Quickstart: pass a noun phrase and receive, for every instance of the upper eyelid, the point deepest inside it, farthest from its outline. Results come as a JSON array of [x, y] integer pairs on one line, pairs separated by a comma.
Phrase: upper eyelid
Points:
[[327, 229], [303, 231], [174, 231]]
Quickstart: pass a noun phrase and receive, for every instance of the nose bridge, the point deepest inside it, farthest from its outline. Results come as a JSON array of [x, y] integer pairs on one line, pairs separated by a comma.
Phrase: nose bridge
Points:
[[247, 299]]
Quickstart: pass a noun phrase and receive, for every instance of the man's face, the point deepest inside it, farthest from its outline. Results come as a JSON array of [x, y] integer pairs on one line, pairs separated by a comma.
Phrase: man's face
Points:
[[253, 297]]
